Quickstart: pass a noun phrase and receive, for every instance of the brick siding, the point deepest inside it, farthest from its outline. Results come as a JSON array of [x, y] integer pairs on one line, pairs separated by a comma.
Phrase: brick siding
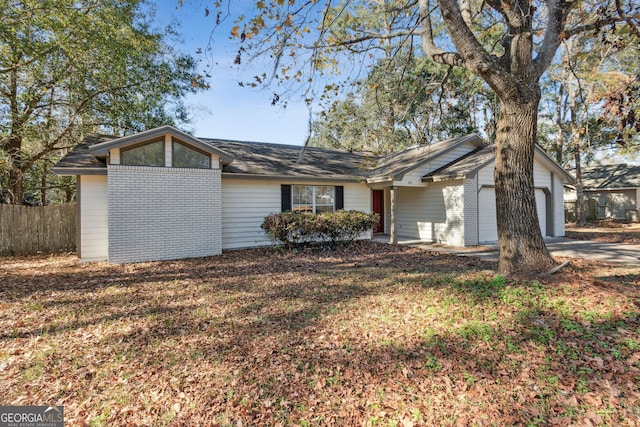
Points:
[[160, 213]]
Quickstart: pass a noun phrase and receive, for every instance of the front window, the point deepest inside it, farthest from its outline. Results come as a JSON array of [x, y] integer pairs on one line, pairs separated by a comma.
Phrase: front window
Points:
[[187, 157], [149, 154], [312, 198]]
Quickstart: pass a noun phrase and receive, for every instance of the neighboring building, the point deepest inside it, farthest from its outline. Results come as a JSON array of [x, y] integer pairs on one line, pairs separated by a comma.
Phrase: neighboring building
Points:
[[610, 191], [163, 194]]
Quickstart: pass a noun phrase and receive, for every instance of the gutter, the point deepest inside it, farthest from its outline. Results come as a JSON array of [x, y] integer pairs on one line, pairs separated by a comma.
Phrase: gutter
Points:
[[63, 171]]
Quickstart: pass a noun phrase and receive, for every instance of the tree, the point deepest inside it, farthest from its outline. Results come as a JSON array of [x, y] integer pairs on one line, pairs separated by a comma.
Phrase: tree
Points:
[[580, 87], [69, 67], [404, 100], [509, 44]]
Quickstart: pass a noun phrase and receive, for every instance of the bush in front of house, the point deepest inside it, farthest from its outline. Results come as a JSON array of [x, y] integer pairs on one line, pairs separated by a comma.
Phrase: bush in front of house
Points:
[[335, 228]]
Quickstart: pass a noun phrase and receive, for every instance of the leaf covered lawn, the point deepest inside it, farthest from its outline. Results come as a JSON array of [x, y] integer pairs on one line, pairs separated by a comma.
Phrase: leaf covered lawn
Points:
[[372, 335]]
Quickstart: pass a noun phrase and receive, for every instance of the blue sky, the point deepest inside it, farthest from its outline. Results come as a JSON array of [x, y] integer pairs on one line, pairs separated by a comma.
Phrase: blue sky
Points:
[[227, 110]]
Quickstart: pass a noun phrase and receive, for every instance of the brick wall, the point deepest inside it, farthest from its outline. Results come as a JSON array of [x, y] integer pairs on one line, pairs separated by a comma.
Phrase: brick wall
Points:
[[163, 213]]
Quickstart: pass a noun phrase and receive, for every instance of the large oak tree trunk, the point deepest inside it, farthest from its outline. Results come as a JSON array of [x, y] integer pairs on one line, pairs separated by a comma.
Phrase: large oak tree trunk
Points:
[[522, 248]]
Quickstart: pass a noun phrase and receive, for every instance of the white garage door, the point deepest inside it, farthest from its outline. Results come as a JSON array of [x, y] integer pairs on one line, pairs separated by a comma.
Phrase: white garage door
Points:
[[541, 202], [487, 228]]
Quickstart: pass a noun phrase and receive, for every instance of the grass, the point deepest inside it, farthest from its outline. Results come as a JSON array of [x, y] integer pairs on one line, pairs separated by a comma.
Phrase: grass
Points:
[[375, 335]]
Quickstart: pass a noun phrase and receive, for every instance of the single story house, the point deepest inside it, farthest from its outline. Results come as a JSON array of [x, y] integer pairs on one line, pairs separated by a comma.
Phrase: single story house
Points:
[[163, 194], [610, 191]]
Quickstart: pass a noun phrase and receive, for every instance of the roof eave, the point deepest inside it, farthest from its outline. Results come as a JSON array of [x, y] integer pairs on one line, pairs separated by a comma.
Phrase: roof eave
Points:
[[379, 179], [596, 189], [441, 178], [75, 171], [280, 177], [473, 138]]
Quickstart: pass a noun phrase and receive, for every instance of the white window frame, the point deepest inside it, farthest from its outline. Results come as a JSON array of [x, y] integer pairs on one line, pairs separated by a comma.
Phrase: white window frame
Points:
[[314, 205]]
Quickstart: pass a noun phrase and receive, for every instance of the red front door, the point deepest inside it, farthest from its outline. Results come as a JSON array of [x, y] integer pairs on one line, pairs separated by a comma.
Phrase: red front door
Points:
[[378, 207]]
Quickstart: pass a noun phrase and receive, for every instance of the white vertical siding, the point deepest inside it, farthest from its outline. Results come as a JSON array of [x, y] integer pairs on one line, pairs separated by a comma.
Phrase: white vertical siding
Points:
[[245, 204], [93, 225]]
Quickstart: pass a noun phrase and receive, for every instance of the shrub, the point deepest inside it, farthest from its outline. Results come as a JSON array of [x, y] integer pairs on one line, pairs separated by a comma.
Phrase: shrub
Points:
[[341, 227]]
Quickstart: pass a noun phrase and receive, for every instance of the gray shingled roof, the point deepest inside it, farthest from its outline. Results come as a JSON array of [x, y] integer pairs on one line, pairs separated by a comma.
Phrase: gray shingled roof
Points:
[[256, 158], [463, 166], [264, 159], [397, 164], [473, 161], [250, 158], [81, 158], [611, 176]]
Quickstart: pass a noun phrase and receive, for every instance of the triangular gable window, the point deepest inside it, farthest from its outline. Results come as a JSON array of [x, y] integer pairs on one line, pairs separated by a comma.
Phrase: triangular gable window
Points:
[[147, 154], [187, 157]]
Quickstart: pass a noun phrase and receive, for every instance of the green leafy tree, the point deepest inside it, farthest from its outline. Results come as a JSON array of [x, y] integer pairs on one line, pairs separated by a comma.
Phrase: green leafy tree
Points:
[[403, 101], [69, 67], [509, 44], [579, 89]]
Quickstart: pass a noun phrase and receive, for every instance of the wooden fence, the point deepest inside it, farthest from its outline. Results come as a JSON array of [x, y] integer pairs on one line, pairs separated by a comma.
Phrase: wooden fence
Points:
[[590, 207], [28, 230]]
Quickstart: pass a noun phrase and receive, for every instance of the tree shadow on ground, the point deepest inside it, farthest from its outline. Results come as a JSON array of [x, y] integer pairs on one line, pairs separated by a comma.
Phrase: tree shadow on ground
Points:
[[259, 336]]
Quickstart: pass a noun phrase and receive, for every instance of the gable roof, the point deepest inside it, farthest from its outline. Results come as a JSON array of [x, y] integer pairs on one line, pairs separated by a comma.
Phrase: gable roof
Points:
[[102, 148], [264, 160], [464, 166], [396, 165], [611, 177], [250, 159], [80, 161], [475, 160]]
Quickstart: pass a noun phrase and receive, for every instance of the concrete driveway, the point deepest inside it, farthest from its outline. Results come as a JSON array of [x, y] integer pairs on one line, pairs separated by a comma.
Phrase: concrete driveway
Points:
[[558, 246]]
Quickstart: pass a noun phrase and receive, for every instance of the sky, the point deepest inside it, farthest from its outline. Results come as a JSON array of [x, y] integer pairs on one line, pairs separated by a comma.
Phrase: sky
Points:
[[226, 110]]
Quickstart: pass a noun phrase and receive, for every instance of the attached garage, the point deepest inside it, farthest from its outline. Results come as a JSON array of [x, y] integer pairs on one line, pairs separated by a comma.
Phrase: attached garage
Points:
[[487, 227], [487, 224], [163, 194]]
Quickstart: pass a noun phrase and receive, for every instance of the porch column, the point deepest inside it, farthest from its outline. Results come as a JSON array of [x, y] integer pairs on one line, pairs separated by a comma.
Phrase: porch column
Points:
[[394, 235]]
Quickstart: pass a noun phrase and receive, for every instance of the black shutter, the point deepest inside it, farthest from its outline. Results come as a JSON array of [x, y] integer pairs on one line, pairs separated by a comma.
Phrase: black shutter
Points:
[[286, 198], [339, 197]]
